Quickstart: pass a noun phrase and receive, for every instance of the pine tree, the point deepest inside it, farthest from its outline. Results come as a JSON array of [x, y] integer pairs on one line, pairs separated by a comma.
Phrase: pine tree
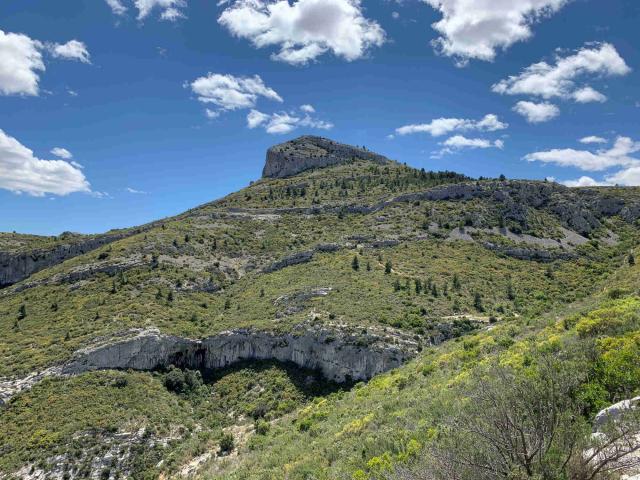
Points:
[[22, 312], [477, 302], [632, 259], [387, 267], [418, 285], [434, 289], [170, 296], [355, 263]]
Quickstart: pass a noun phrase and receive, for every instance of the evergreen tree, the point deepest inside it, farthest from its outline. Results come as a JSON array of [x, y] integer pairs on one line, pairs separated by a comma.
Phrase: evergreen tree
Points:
[[22, 312], [387, 267], [434, 289], [355, 263], [396, 286], [368, 267], [418, 285], [477, 302], [170, 296], [632, 259], [511, 294]]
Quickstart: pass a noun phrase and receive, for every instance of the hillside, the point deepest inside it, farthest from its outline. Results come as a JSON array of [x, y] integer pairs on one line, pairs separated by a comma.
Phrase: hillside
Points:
[[327, 321]]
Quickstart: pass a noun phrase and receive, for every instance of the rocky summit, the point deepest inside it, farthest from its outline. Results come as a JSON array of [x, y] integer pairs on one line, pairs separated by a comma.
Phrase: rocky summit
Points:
[[306, 152], [345, 316]]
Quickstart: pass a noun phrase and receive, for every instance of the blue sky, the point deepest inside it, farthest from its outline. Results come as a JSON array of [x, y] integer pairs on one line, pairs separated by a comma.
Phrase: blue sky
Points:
[[124, 86]]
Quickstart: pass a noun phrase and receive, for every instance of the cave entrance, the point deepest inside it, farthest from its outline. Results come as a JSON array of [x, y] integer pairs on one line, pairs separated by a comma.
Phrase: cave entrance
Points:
[[258, 389]]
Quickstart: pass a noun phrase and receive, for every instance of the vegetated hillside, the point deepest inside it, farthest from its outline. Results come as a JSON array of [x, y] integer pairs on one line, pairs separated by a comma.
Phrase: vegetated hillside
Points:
[[488, 284]]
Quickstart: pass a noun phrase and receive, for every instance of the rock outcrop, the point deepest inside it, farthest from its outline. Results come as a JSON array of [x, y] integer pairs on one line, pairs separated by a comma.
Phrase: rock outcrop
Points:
[[15, 267], [306, 152], [339, 357]]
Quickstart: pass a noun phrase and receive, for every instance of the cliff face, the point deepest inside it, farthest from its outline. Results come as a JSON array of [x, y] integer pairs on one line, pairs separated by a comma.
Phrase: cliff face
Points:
[[304, 153], [15, 267], [338, 356]]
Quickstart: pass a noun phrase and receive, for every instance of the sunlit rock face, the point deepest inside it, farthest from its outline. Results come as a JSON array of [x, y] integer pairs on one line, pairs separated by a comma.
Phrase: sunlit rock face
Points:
[[339, 356], [306, 152]]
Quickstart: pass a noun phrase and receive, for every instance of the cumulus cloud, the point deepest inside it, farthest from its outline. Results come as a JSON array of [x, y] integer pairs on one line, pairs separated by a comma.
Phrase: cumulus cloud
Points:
[[21, 61], [307, 108], [558, 80], [20, 64], [72, 50], [284, 122], [459, 142], [476, 29], [61, 153], [628, 177], [304, 29], [592, 139], [584, 181], [616, 156], [443, 126], [588, 95], [22, 172], [211, 114], [231, 93], [536, 112]]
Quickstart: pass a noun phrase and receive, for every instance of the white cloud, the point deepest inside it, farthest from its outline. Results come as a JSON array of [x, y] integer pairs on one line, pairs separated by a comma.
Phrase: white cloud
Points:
[[22, 172], [284, 122], [588, 95], [20, 62], [628, 177], [584, 182], [170, 10], [618, 155], [460, 142], [211, 114], [304, 29], [558, 80], [117, 7], [395, 15], [135, 192], [61, 153], [172, 15], [307, 108], [256, 118], [536, 112], [592, 139], [72, 50], [231, 93], [476, 29], [442, 126]]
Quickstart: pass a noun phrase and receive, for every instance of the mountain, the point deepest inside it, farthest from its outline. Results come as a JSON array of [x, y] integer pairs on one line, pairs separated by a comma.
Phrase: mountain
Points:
[[330, 320]]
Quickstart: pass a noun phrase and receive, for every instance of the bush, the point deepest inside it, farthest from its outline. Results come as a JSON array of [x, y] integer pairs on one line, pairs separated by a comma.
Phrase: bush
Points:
[[227, 443], [262, 427]]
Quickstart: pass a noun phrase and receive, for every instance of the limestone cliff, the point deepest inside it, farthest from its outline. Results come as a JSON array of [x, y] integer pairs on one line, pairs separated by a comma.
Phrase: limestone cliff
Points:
[[306, 152], [339, 356]]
